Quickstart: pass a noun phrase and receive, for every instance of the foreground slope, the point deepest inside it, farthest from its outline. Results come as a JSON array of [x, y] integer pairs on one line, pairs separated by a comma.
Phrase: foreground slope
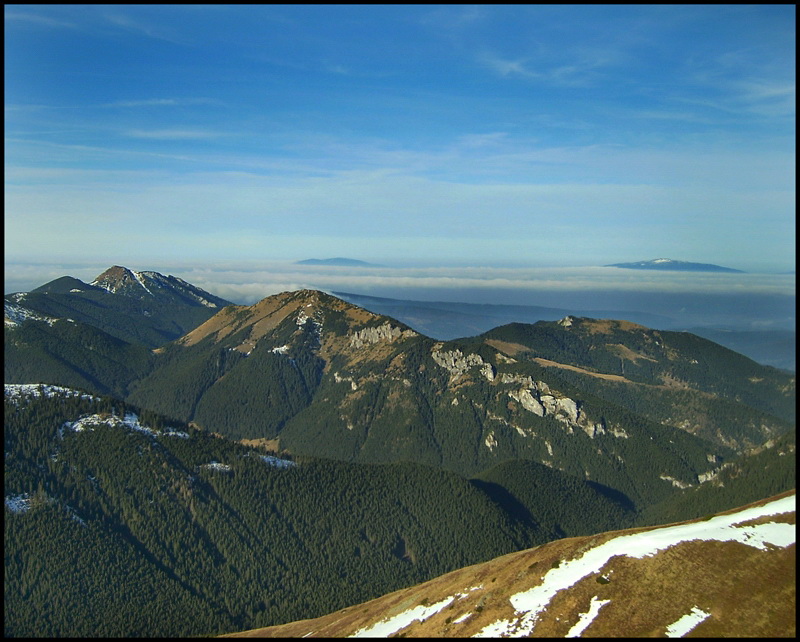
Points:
[[730, 575]]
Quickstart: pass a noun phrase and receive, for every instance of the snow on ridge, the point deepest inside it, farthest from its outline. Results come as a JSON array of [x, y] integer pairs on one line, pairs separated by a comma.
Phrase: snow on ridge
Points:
[[215, 465], [385, 628], [722, 528], [130, 422], [17, 390], [277, 462], [16, 314], [192, 291], [105, 285], [138, 277]]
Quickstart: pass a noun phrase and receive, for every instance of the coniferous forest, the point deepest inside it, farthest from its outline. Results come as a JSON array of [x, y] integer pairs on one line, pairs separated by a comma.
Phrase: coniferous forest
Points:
[[135, 525]]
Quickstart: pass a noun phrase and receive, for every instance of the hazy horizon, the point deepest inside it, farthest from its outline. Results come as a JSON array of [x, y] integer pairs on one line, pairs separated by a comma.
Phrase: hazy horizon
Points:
[[735, 300]]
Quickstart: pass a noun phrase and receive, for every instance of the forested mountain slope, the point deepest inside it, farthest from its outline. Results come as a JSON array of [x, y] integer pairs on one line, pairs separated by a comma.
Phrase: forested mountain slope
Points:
[[173, 531], [330, 379], [676, 378]]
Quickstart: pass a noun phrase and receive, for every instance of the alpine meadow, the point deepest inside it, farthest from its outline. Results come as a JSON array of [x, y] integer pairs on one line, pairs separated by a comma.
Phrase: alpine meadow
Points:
[[400, 321]]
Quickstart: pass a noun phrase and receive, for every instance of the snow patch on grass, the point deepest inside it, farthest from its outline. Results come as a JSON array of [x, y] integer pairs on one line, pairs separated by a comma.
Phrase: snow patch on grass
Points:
[[723, 528], [686, 623], [585, 619]]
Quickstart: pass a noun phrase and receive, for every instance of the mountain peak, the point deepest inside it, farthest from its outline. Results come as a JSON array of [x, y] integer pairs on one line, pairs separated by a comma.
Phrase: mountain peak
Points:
[[153, 285], [265, 315], [118, 279], [672, 264], [338, 261]]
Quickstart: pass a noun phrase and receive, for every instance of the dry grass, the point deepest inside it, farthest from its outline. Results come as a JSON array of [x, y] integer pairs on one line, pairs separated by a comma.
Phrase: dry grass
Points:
[[607, 326], [624, 352], [554, 364], [507, 348]]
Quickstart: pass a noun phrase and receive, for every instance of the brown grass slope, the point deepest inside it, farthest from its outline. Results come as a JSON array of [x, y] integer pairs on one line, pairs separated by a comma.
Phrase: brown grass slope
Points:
[[739, 590]]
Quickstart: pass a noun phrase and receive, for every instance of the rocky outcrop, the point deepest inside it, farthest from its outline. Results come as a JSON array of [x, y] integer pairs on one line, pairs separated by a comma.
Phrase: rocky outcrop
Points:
[[538, 398], [385, 332], [457, 363]]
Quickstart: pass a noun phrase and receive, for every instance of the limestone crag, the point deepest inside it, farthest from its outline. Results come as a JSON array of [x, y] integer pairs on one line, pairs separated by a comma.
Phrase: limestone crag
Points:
[[385, 332], [457, 363], [538, 398]]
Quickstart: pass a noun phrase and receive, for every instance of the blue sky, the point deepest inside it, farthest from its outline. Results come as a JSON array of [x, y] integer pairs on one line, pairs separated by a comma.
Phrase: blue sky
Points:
[[406, 135]]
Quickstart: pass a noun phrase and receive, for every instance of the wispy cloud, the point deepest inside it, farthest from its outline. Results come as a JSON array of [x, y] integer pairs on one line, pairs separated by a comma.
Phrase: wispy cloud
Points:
[[570, 69], [173, 134], [147, 29], [40, 20], [506, 66], [163, 102]]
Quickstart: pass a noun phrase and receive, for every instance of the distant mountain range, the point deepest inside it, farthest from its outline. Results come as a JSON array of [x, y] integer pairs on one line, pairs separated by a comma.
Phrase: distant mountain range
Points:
[[446, 320], [158, 467], [671, 264], [339, 261], [450, 320]]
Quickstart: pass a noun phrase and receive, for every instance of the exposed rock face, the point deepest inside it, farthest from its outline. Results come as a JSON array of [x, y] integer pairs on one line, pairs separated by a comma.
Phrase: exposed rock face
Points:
[[538, 398], [457, 363], [385, 332], [523, 380], [528, 401], [339, 379]]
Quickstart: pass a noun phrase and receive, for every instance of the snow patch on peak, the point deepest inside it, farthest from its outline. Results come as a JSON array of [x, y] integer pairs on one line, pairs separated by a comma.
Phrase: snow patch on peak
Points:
[[138, 276]]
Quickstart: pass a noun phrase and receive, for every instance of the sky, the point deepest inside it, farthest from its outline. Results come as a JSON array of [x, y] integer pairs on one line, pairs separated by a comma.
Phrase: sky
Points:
[[411, 136]]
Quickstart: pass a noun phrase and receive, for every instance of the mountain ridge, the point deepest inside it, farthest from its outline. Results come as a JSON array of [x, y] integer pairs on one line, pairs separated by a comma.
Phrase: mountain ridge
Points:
[[338, 261], [138, 307], [351, 385], [673, 265]]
